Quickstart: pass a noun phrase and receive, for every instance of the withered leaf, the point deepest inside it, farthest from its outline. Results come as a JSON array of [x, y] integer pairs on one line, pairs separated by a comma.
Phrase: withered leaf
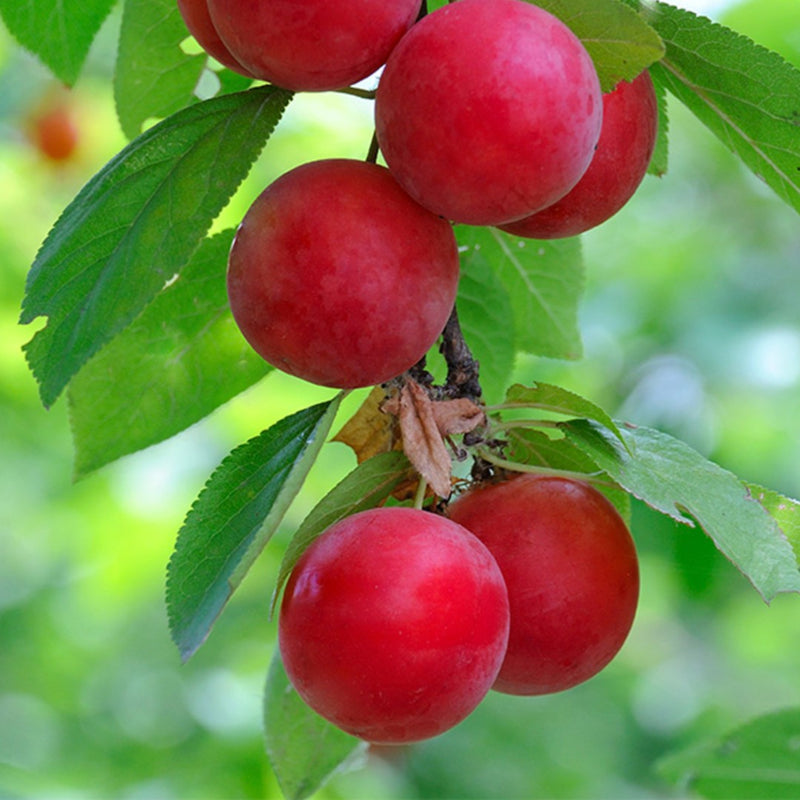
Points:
[[422, 439], [370, 431], [457, 416]]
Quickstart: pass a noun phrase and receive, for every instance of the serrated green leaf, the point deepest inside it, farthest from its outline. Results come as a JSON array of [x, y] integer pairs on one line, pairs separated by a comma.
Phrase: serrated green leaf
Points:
[[748, 96], [544, 281], [153, 76], [234, 517], [555, 399], [304, 749], [756, 761], [189, 358], [59, 32], [536, 449], [367, 486], [135, 225], [674, 479], [484, 309], [619, 40]]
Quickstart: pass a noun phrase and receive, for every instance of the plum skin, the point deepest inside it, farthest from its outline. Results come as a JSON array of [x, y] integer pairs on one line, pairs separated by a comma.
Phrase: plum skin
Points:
[[338, 277], [627, 140], [198, 21], [313, 45], [488, 110], [572, 574], [393, 624]]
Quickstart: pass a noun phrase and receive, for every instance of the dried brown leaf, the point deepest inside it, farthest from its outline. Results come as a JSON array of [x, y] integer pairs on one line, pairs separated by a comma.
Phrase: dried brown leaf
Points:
[[457, 416], [422, 439], [370, 430]]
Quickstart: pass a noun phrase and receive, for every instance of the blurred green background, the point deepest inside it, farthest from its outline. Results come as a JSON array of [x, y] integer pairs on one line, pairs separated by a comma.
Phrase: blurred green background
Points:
[[691, 324]]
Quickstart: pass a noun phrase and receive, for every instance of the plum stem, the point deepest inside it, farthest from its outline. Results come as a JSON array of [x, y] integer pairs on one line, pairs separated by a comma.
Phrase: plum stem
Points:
[[372, 153], [462, 368], [419, 496]]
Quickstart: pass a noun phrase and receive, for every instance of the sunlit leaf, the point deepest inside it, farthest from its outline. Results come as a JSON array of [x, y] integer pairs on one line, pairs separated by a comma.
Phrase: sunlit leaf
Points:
[[135, 225], [303, 749], [673, 478], [745, 94], [757, 761], [234, 517], [370, 430], [555, 399], [153, 76], [367, 486], [189, 358], [59, 32], [544, 281], [619, 40], [784, 510]]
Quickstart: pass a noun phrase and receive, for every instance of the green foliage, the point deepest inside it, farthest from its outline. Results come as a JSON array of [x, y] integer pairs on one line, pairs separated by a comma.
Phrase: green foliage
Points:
[[757, 761], [785, 510], [234, 517], [135, 225], [660, 158], [558, 400], [154, 77], [543, 281], [179, 360], [59, 32], [484, 311], [619, 40], [674, 479], [745, 94], [303, 748]]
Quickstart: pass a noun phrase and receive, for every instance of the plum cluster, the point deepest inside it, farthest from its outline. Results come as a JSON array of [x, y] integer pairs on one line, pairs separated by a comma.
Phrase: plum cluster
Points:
[[396, 622], [487, 112]]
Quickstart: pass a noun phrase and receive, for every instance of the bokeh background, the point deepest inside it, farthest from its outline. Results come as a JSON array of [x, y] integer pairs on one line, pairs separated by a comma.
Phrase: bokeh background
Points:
[[691, 323]]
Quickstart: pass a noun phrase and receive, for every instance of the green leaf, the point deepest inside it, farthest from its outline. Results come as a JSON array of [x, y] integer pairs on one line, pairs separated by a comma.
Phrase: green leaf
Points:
[[551, 398], [544, 281], [59, 32], [674, 479], [784, 510], [745, 94], [367, 486], [619, 40], [153, 77], [234, 517], [536, 449], [189, 358], [659, 161], [757, 761], [304, 749], [134, 226], [484, 309]]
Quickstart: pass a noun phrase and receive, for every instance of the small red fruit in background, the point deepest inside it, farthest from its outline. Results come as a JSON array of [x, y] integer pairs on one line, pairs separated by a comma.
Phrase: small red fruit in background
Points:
[[627, 139], [393, 624], [53, 128], [338, 277], [572, 574], [488, 110], [313, 45]]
